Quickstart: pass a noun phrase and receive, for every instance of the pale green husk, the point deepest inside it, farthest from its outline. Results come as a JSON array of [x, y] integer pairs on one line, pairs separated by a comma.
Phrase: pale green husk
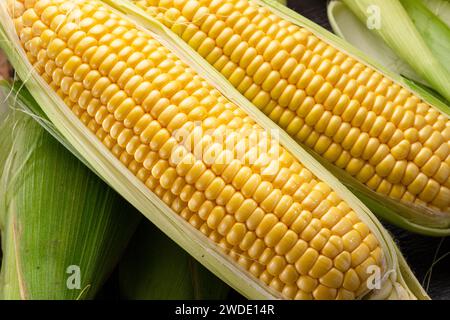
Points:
[[415, 218], [399, 32], [5, 139], [155, 268], [55, 214], [132, 189], [434, 31], [440, 8]]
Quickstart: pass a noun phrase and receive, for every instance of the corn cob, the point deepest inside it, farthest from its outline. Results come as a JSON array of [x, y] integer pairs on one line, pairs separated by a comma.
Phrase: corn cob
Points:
[[350, 114], [290, 230]]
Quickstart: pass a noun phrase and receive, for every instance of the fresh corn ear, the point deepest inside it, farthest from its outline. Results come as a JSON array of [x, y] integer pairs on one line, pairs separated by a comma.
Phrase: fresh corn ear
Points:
[[155, 268], [197, 159], [387, 143], [63, 230]]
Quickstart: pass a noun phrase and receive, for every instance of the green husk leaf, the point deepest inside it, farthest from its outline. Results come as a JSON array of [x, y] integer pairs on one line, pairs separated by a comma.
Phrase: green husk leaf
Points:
[[349, 27], [6, 140], [440, 8], [59, 222], [435, 32], [128, 185], [25, 103], [155, 268], [399, 32]]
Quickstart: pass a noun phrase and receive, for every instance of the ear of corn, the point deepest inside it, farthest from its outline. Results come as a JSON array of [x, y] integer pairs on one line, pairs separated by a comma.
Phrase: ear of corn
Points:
[[394, 18], [155, 268], [63, 230], [388, 144], [118, 92]]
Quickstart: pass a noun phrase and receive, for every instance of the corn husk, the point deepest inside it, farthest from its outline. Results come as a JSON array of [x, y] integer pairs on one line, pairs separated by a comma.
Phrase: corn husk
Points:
[[399, 32], [179, 230], [5, 139], [155, 268], [63, 230], [433, 30], [409, 216], [440, 8]]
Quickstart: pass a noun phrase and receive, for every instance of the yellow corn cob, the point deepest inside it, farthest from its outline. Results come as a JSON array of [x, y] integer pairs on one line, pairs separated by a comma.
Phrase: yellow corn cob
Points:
[[269, 213], [347, 112]]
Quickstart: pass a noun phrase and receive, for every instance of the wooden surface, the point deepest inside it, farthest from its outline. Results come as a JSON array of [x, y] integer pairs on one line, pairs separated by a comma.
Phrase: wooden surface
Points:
[[419, 251]]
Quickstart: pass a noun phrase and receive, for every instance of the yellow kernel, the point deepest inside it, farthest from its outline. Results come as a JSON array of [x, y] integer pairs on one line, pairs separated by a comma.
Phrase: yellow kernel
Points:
[[351, 280], [324, 293], [275, 234], [236, 234], [304, 264], [306, 283]]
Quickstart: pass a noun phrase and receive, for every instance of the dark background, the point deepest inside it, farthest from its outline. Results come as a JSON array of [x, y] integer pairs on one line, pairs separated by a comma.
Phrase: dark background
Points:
[[420, 252]]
